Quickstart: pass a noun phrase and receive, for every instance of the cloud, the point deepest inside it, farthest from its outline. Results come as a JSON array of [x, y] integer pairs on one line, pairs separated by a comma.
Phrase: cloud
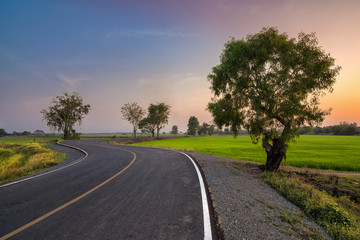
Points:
[[148, 33]]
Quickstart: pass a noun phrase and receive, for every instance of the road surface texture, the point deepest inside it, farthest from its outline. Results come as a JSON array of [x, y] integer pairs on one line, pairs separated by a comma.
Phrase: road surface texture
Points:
[[116, 192]]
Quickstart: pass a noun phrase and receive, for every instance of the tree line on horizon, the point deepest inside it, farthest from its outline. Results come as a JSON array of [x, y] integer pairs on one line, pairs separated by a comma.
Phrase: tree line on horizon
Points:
[[342, 129]]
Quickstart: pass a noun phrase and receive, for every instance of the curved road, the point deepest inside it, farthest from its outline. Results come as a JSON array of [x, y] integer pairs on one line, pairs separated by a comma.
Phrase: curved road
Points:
[[116, 192]]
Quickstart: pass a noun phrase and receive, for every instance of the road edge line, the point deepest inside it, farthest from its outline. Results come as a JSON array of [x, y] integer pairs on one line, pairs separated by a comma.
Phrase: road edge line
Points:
[[55, 170], [206, 210]]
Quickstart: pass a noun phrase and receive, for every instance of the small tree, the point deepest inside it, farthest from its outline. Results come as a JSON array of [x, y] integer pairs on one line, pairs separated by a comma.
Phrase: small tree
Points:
[[133, 113], [270, 84], [159, 115], [174, 130], [203, 129], [66, 111], [193, 125], [211, 130]]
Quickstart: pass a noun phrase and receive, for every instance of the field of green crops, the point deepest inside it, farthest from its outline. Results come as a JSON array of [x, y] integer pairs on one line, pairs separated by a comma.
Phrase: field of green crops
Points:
[[341, 153]]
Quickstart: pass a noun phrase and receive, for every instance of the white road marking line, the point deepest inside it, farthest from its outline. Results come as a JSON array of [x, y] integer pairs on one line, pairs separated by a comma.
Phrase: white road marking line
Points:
[[55, 170], [206, 213]]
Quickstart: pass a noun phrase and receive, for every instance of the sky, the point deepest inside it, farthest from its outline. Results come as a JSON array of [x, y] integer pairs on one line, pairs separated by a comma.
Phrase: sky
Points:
[[114, 52]]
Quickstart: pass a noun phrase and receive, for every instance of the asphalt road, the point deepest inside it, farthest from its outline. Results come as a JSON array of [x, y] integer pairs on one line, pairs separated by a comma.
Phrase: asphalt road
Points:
[[117, 192]]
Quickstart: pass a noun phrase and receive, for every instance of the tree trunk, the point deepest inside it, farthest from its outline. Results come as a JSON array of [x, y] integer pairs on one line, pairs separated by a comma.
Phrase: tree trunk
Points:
[[134, 133], [275, 154], [157, 133], [153, 133], [66, 134]]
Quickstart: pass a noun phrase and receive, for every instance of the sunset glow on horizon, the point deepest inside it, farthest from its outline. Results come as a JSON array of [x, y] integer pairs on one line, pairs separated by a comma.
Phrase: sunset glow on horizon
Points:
[[115, 52]]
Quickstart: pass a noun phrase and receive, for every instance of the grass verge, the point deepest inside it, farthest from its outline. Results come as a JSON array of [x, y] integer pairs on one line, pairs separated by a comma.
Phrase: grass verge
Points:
[[25, 156], [338, 214]]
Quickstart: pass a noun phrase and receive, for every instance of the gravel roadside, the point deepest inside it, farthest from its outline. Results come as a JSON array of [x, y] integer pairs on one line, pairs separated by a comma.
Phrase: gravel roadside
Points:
[[247, 208]]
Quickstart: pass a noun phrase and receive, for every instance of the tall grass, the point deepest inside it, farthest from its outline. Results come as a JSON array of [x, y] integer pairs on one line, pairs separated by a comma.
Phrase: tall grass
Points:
[[23, 157], [341, 221], [340, 153]]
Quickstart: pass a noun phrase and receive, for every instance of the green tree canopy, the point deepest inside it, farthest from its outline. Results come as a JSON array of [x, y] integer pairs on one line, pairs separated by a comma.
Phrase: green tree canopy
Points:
[[270, 85], [65, 112], [159, 115], [148, 125], [193, 125], [211, 130], [203, 129], [174, 130], [133, 113]]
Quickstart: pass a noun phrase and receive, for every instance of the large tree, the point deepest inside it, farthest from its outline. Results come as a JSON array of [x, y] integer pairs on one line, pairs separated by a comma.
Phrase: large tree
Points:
[[193, 125], [270, 85], [133, 113], [65, 112], [159, 115]]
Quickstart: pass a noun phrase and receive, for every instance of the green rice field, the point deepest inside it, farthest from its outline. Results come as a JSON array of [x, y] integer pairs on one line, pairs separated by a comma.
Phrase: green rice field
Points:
[[341, 153]]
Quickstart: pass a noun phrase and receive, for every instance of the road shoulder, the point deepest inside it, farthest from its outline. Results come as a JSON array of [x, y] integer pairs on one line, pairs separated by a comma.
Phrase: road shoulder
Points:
[[247, 208]]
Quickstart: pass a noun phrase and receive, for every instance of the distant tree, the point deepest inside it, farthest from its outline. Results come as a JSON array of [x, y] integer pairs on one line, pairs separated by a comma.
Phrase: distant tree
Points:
[[227, 131], [317, 130], [39, 132], [3, 133], [203, 129], [217, 130], [270, 85], [159, 115], [327, 130], [304, 130], [345, 128], [193, 125], [133, 113], [14, 133], [174, 130], [148, 125], [211, 130], [26, 133], [65, 112]]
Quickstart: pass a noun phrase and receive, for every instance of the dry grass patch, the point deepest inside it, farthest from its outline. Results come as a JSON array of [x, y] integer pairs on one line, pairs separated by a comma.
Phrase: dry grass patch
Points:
[[20, 159]]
